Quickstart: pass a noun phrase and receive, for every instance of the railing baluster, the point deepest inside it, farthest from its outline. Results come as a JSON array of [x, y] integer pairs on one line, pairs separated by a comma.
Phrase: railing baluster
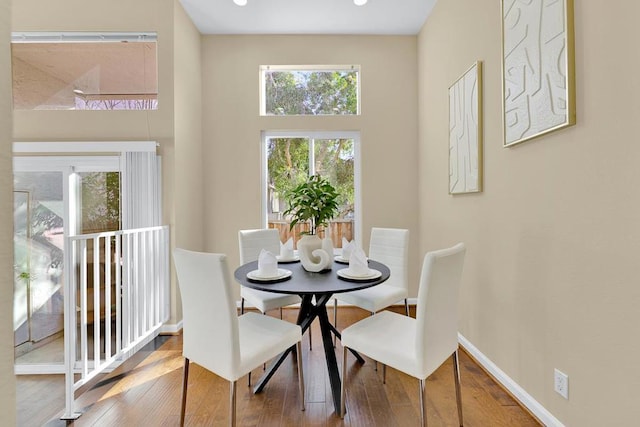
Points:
[[107, 298], [96, 302], [118, 255], [84, 352], [135, 286], [126, 292]]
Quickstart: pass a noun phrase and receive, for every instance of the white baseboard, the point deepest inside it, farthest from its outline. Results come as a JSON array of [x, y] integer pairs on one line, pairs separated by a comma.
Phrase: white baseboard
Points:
[[518, 392], [39, 369], [171, 329], [410, 301]]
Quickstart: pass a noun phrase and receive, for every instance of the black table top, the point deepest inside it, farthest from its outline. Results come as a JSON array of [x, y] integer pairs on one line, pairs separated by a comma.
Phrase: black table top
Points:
[[304, 282]]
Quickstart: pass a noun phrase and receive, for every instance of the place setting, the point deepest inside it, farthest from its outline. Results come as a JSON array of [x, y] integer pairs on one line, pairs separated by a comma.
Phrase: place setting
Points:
[[268, 271], [287, 255], [347, 248], [358, 270]]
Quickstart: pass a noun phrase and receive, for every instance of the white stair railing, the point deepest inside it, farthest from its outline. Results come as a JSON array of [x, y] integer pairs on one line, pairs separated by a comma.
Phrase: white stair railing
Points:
[[116, 300]]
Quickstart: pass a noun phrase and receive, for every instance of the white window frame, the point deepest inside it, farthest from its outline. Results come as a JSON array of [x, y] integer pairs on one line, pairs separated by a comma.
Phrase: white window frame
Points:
[[313, 135]]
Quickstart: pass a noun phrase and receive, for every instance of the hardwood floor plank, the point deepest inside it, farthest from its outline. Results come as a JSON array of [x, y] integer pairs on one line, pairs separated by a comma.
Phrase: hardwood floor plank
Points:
[[356, 399], [146, 390]]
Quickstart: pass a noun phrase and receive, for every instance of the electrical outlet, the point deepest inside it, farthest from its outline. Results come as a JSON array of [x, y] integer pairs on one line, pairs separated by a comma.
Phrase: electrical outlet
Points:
[[561, 383]]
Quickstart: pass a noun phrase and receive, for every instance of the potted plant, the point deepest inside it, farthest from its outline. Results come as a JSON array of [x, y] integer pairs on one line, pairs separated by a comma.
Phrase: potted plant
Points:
[[313, 201]]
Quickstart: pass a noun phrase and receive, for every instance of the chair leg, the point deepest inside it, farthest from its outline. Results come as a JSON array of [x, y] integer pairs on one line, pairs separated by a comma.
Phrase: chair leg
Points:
[[280, 313], [264, 365], [423, 402], [310, 345], [241, 305], [335, 319], [232, 403], [185, 377], [343, 389], [456, 374], [249, 379], [384, 373], [406, 306], [375, 361], [300, 375]]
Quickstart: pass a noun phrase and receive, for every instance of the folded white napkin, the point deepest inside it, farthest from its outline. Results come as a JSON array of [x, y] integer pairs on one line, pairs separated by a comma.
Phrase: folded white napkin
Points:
[[286, 249], [267, 264], [358, 265], [347, 248]]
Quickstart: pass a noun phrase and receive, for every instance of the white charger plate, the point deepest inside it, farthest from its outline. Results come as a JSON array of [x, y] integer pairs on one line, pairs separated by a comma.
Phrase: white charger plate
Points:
[[373, 274], [282, 274], [295, 258], [341, 260]]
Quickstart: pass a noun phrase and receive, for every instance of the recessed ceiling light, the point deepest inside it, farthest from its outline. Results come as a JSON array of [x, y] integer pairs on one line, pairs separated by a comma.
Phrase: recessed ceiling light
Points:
[[242, 2], [359, 2]]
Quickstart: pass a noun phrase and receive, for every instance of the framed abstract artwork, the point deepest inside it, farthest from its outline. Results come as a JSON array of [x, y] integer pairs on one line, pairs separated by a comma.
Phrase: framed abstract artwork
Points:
[[465, 132], [538, 82]]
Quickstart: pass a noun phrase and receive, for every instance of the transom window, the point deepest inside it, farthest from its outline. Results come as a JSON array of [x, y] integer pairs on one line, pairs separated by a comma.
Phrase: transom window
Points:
[[84, 71], [309, 90]]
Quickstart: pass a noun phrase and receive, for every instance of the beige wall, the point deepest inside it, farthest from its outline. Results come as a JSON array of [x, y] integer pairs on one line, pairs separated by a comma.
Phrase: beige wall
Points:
[[232, 128], [551, 277], [188, 204], [7, 379], [116, 15]]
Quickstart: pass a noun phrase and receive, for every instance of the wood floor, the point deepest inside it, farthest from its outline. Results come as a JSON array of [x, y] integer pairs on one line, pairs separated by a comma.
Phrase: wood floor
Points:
[[145, 391]]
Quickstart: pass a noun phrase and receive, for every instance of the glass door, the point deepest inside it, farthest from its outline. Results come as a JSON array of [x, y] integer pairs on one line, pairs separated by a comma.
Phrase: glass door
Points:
[[54, 197], [38, 258]]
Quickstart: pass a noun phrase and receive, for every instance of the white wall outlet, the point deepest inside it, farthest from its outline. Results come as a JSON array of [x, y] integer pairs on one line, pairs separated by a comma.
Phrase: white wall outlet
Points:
[[561, 383]]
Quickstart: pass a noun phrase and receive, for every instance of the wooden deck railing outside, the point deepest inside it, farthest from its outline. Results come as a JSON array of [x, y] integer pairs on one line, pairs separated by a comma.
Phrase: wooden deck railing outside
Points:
[[337, 230]]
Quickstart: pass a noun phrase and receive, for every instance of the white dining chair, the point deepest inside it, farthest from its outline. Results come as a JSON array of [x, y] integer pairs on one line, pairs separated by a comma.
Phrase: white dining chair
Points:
[[417, 346], [215, 337], [389, 246], [251, 242]]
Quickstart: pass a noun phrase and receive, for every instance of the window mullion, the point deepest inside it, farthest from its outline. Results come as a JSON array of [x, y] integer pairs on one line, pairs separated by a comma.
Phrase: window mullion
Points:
[[312, 157]]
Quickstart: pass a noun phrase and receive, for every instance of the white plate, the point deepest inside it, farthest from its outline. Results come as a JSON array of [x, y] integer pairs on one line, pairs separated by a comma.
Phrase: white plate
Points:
[[282, 274], [373, 274], [341, 260], [295, 258]]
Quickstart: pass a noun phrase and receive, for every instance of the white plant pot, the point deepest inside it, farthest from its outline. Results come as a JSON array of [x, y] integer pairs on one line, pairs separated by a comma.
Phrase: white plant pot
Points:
[[312, 257]]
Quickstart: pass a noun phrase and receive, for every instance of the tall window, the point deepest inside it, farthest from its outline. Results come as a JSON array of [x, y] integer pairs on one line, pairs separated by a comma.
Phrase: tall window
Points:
[[309, 90], [292, 157]]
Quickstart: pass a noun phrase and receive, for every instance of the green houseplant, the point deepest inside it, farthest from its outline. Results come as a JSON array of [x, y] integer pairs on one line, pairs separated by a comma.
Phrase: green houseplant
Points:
[[313, 201]]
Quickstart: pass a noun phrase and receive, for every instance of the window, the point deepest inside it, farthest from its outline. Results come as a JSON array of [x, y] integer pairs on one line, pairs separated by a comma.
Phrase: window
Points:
[[100, 202], [291, 157], [309, 90], [84, 71]]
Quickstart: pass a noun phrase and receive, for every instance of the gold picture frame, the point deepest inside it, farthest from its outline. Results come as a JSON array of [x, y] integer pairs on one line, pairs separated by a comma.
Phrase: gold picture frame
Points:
[[465, 132], [538, 67]]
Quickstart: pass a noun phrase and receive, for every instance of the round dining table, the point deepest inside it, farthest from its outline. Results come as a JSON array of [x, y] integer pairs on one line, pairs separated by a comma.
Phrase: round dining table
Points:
[[315, 289]]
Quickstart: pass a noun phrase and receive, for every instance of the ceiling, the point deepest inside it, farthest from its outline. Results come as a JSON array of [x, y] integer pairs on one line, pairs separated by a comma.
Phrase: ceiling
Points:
[[388, 17]]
